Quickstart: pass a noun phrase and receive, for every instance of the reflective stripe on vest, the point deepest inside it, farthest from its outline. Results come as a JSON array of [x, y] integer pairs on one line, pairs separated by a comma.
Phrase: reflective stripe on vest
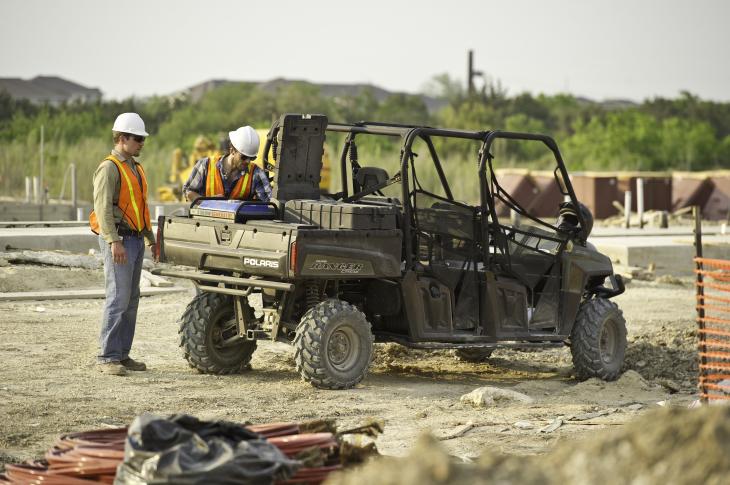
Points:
[[214, 183], [130, 194]]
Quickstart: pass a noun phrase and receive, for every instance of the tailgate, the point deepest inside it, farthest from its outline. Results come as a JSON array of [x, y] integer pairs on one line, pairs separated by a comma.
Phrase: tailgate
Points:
[[259, 248]]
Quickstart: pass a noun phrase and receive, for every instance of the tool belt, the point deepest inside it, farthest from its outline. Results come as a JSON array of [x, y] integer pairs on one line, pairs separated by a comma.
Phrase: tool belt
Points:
[[124, 231]]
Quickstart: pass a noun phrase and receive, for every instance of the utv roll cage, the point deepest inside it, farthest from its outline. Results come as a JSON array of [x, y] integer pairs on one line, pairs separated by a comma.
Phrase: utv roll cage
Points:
[[494, 234]]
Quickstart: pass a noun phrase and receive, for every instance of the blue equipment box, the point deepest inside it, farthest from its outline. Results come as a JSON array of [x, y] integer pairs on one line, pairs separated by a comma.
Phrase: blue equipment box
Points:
[[238, 211]]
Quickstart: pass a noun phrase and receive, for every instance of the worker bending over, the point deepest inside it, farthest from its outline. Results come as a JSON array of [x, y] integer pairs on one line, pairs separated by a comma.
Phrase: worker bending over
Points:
[[232, 176]]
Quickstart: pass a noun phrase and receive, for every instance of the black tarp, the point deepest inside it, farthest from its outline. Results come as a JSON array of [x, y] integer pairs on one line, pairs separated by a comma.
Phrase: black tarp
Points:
[[184, 450]]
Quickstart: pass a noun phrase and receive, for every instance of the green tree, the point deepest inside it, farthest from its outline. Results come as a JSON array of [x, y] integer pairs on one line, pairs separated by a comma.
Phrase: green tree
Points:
[[403, 108]]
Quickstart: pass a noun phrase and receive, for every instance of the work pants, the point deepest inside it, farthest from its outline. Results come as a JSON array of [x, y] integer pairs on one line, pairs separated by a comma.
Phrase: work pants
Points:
[[122, 299]]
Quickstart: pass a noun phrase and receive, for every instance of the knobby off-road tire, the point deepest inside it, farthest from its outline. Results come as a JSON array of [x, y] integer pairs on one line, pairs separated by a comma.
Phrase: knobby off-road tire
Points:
[[333, 346], [208, 320], [598, 340], [473, 355]]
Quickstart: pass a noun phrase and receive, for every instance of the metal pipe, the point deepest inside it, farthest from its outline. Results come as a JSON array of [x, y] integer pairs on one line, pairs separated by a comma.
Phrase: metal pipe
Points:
[[42, 161], [515, 218], [36, 189], [224, 291], [627, 209], [700, 296], [640, 201], [74, 201]]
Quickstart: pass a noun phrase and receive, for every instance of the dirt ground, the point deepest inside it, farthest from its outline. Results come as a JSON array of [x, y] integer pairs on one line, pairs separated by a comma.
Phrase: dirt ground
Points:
[[49, 386]]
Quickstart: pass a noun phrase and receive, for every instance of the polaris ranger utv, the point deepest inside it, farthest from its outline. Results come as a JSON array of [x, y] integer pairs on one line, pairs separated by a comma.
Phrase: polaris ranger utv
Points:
[[387, 259]]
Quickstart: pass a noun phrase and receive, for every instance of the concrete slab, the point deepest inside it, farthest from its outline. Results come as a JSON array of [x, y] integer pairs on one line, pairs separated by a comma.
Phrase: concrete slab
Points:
[[671, 254], [75, 239], [22, 211], [16, 224], [707, 229], [72, 239]]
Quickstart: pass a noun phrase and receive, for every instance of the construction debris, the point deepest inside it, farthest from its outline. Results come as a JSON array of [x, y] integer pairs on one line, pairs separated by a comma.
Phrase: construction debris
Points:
[[555, 424], [460, 431], [587, 416], [490, 396], [523, 425], [54, 258], [184, 449], [148, 279]]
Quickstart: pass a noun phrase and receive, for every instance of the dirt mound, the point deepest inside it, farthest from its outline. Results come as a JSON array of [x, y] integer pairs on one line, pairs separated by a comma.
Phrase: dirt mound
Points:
[[631, 387], [667, 353], [386, 354], [677, 446], [666, 446], [392, 357]]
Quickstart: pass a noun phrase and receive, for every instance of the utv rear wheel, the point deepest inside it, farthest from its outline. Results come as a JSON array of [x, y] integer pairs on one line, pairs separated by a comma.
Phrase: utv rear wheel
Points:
[[333, 346], [208, 335], [598, 340], [473, 355]]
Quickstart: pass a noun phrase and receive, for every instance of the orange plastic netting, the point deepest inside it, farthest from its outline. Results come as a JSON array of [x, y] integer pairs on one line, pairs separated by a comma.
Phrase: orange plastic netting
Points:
[[713, 320]]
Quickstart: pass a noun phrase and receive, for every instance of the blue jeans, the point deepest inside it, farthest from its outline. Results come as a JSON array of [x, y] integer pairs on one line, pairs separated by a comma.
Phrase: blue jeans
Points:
[[122, 299]]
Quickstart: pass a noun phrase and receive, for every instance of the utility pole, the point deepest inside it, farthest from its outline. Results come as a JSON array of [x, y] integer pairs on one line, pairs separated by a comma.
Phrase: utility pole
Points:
[[40, 182], [42, 167], [471, 74]]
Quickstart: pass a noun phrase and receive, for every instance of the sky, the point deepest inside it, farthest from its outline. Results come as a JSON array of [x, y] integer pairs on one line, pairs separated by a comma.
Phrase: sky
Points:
[[627, 49]]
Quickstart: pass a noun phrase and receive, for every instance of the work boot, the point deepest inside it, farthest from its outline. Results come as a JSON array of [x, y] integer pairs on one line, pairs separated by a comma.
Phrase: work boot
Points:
[[112, 368], [131, 364]]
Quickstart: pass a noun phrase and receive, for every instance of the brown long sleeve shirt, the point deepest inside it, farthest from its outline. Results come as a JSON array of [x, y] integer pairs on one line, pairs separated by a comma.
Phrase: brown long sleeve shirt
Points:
[[107, 185]]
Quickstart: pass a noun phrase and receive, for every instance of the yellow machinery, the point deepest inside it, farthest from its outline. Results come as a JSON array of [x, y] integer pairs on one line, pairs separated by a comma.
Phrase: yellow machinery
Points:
[[180, 168]]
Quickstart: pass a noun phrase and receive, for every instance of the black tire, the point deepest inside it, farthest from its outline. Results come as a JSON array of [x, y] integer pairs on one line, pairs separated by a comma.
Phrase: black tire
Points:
[[209, 319], [598, 340], [473, 355], [333, 346]]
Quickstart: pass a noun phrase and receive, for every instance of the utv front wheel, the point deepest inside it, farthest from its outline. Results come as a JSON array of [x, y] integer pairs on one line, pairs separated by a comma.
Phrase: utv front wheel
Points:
[[208, 335], [598, 340], [333, 346]]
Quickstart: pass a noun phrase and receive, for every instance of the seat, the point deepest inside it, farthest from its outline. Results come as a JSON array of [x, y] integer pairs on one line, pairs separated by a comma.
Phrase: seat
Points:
[[368, 177]]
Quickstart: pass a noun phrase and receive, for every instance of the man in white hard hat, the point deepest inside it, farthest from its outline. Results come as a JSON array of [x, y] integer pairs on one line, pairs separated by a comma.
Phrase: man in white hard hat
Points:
[[233, 175], [121, 218]]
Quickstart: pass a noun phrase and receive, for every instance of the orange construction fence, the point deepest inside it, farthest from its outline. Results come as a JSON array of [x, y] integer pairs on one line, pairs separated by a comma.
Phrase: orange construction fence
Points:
[[713, 318]]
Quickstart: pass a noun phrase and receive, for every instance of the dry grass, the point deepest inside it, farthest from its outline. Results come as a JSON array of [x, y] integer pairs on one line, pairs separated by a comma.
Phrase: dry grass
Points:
[[20, 159]]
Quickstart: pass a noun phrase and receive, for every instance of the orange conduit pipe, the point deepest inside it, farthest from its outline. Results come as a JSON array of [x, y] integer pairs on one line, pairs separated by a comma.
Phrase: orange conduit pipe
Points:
[[92, 457]]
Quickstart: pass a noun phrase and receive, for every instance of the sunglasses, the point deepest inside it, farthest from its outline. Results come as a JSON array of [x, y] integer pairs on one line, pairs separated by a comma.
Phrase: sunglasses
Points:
[[243, 155], [137, 138]]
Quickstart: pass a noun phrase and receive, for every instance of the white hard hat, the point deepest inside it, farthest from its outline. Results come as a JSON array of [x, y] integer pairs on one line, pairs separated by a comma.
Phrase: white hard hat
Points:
[[245, 140], [130, 123]]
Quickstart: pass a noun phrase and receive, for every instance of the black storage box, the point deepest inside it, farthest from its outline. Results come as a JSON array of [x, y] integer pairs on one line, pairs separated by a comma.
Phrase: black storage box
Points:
[[340, 215]]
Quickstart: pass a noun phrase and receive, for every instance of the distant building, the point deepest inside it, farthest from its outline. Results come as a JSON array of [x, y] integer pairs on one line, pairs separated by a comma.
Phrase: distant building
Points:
[[48, 90], [327, 90]]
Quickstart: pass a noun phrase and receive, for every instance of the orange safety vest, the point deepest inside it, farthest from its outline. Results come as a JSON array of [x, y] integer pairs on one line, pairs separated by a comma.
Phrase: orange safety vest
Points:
[[132, 198], [214, 183]]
